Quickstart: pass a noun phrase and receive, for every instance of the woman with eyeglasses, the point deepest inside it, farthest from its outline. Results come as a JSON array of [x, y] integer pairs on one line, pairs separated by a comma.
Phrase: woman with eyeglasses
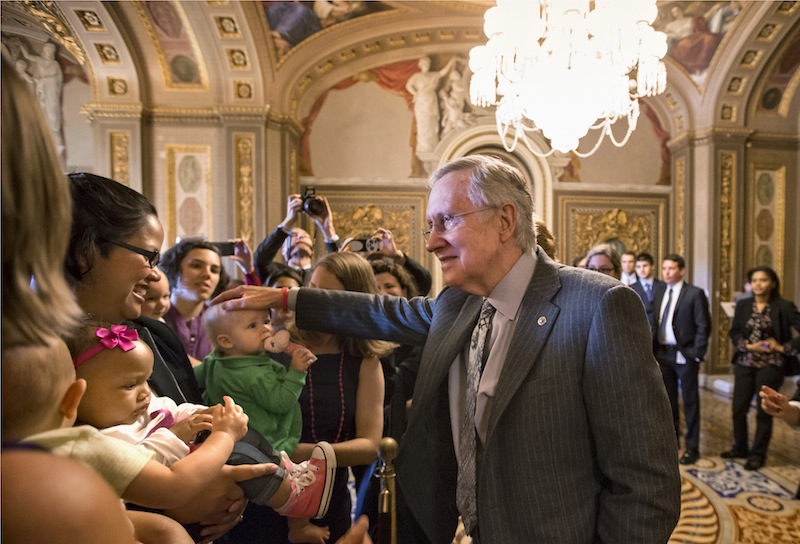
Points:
[[605, 259], [111, 261]]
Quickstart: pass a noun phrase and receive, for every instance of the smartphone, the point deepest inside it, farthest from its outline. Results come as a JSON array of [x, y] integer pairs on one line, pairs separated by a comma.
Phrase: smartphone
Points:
[[225, 248], [365, 244]]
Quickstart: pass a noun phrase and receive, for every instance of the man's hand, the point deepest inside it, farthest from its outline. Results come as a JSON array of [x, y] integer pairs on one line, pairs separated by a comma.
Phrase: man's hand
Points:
[[294, 206], [250, 297], [357, 534], [388, 246], [324, 221], [777, 405]]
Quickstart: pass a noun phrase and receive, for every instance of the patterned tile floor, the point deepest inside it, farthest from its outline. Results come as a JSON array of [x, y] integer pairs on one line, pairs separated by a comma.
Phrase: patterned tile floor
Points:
[[721, 503]]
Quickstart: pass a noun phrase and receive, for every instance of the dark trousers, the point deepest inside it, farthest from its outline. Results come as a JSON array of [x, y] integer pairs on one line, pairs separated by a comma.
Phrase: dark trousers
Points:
[[686, 375], [748, 381]]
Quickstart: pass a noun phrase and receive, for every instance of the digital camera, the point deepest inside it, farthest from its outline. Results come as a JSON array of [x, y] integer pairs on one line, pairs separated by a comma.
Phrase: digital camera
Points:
[[312, 204]]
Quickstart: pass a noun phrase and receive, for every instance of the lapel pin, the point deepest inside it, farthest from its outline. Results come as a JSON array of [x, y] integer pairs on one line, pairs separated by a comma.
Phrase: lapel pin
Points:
[[542, 321]]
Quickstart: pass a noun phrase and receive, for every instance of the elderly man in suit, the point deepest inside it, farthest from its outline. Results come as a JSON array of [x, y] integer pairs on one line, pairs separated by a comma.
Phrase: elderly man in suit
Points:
[[538, 412], [680, 340]]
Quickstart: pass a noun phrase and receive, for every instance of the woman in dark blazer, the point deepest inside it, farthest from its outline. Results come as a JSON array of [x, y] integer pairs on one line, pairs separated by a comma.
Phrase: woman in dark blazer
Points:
[[761, 333]]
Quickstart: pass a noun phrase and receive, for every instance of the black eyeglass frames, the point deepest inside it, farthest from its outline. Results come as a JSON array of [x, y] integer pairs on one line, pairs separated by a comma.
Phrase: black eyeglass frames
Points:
[[151, 256]]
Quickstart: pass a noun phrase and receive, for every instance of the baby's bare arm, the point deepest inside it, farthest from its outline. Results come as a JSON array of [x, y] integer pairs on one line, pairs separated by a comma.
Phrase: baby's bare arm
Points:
[[158, 486]]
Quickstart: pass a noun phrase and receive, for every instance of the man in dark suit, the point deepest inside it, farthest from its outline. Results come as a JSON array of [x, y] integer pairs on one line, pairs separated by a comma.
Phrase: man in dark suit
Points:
[[680, 340], [558, 448], [647, 286]]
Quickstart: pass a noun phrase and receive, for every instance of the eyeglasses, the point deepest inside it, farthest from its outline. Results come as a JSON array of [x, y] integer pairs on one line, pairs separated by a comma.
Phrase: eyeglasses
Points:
[[152, 256], [446, 223], [603, 269]]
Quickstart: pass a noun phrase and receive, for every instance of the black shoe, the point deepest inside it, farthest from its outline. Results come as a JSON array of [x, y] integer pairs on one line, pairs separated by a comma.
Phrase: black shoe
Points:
[[754, 462], [689, 457], [734, 454]]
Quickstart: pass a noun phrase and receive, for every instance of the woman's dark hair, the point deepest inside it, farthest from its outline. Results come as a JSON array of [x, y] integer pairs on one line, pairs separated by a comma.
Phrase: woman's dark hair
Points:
[[283, 273], [104, 211], [772, 275], [407, 283], [172, 258]]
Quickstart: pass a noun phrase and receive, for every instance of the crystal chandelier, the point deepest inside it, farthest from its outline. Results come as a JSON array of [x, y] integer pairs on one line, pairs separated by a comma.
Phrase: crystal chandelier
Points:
[[565, 67]]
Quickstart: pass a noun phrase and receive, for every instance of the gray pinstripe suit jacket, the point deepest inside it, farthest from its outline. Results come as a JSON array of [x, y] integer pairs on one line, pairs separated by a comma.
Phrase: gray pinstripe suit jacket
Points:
[[580, 446]]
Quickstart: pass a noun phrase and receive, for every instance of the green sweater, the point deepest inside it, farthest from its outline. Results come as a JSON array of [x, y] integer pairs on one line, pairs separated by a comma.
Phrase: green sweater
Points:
[[264, 388]]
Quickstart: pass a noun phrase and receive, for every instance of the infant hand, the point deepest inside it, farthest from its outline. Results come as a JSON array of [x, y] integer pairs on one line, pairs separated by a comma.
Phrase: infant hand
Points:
[[302, 358], [188, 428], [229, 418]]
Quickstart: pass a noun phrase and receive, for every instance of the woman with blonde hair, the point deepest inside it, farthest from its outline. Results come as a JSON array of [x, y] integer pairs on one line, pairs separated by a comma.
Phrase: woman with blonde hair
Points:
[[342, 401], [37, 212], [604, 258]]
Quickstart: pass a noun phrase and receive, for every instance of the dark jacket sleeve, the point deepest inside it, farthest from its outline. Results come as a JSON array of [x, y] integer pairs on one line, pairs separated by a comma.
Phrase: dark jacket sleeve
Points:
[[420, 274], [173, 375], [266, 252], [739, 330]]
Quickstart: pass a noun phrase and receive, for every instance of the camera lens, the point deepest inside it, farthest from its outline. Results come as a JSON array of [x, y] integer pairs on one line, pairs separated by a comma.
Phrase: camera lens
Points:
[[313, 206]]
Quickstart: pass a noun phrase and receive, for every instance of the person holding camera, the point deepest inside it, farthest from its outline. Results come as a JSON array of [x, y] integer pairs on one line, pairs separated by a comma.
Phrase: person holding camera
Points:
[[296, 244], [381, 245]]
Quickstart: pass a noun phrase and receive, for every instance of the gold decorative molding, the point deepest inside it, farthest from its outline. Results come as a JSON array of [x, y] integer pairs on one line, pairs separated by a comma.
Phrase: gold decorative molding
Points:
[[120, 143], [96, 110], [680, 195], [293, 187], [724, 292], [53, 21], [245, 165], [726, 203], [634, 223], [359, 212]]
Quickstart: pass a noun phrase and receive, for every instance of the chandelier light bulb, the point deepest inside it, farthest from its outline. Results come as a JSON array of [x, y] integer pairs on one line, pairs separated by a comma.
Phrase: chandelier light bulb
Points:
[[567, 67]]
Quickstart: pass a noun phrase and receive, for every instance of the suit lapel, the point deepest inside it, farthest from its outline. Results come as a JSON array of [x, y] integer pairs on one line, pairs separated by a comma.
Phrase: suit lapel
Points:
[[456, 314], [537, 316]]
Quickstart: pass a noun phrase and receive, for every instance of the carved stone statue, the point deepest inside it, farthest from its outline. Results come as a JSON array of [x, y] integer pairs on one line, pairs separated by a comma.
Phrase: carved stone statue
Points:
[[48, 82], [423, 86], [454, 98]]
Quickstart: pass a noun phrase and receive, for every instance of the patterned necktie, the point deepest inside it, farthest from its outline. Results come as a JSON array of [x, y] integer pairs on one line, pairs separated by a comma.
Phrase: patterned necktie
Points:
[[648, 290], [466, 496], [662, 330]]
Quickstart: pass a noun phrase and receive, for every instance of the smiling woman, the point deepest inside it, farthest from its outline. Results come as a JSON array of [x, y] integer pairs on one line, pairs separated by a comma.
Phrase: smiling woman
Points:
[[110, 262], [195, 275]]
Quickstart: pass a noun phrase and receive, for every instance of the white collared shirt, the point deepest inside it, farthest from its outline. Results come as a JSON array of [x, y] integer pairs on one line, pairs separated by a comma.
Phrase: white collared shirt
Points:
[[506, 299], [628, 279], [669, 338]]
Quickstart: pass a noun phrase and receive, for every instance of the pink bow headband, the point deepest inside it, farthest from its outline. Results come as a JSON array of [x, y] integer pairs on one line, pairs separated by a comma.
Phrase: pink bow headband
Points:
[[118, 336]]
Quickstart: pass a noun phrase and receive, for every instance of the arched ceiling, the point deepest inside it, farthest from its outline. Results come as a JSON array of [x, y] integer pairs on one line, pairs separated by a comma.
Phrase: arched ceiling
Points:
[[223, 56]]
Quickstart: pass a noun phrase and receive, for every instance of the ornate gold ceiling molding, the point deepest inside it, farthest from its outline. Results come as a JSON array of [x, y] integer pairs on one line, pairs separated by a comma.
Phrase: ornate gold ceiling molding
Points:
[[155, 42], [305, 87], [96, 110], [52, 19]]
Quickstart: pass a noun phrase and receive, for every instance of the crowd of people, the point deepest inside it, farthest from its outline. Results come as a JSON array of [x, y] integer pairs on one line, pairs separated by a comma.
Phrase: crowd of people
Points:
[[236, 411]]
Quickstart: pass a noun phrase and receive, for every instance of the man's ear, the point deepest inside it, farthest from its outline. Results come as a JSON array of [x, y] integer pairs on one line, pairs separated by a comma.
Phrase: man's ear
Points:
[[508, 221], [224, 341], [71, 399]]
